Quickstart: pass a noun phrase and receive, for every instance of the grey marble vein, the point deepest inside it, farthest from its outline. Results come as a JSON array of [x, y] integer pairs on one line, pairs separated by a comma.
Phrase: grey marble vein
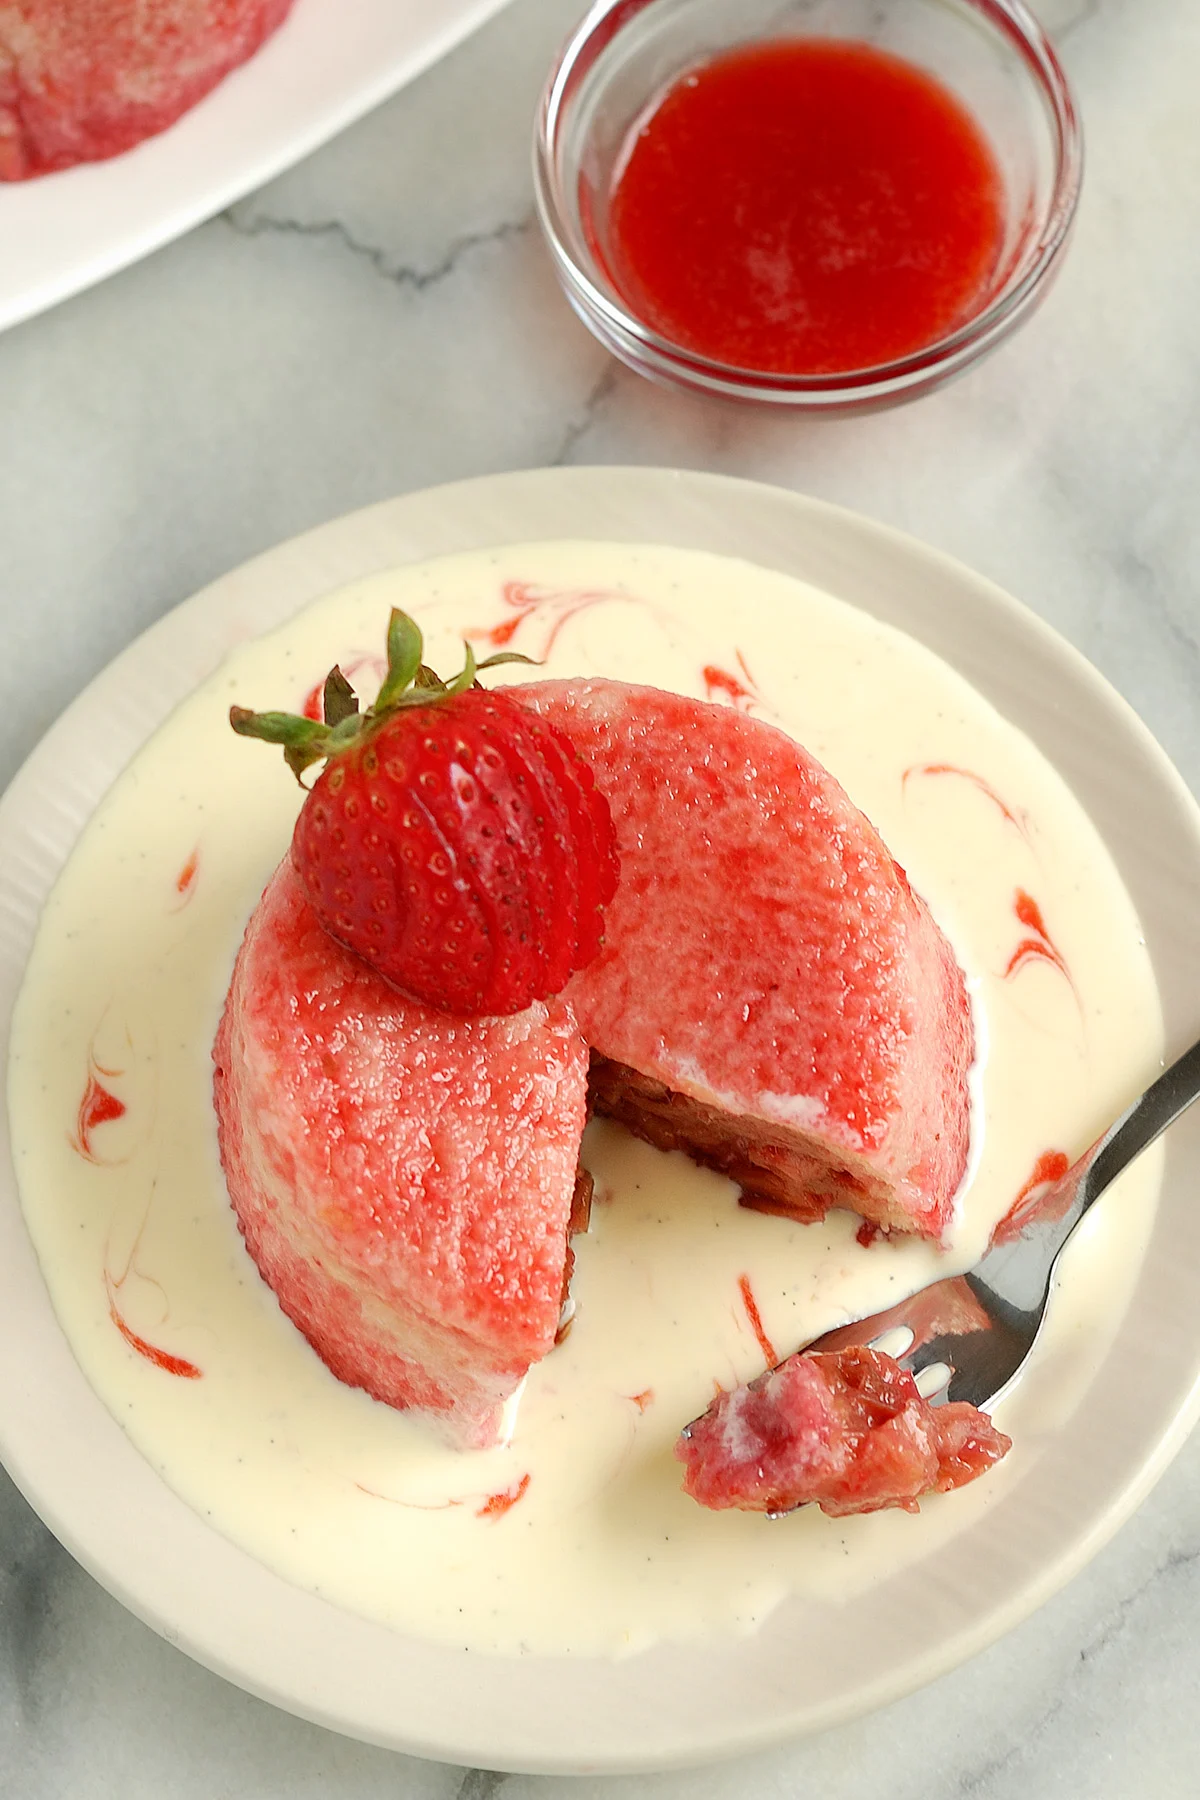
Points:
[[480, 1784], [386, 264], [579, 427], [1063, 18], [33, 1568]]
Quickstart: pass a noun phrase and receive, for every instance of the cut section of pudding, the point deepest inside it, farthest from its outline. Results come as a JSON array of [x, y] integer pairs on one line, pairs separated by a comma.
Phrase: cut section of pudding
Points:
[[403, 1179], [771, 995]]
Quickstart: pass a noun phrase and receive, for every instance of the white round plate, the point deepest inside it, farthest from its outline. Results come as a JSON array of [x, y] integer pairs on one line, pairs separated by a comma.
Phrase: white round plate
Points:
[[327, 65], [810, 1665]]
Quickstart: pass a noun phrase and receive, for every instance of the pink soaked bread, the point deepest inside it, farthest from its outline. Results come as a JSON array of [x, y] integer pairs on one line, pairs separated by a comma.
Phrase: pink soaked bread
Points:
[[403, 1179], [846, 1430], [81, 80], [771, 995]]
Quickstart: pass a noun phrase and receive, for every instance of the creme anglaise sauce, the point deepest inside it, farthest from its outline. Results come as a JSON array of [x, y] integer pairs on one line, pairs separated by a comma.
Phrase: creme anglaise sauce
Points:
[[575, 1535]]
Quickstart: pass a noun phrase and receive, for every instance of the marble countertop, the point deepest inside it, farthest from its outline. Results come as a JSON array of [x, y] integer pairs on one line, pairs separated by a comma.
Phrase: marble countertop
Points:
[[384, 317]]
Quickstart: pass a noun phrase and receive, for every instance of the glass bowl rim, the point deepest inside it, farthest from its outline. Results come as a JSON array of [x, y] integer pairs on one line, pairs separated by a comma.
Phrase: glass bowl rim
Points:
[[1008, 19]]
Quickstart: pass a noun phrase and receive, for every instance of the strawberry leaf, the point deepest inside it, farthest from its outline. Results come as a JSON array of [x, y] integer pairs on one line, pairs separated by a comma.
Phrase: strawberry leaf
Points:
[[466, 675], [404, 645], [340, 700], [503, 656], [409, 682], [288, 729], [344, 733]]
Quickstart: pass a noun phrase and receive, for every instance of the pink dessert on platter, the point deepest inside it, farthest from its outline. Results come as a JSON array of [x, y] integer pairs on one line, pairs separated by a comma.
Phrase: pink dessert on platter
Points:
[[766, 994], [83, 80]]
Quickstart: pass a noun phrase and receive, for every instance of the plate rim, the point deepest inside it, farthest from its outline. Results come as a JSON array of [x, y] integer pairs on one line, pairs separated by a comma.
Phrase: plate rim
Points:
[[365, 536]]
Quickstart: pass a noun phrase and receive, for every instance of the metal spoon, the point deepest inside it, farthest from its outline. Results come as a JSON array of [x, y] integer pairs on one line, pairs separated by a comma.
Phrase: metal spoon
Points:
[[981, 1326]]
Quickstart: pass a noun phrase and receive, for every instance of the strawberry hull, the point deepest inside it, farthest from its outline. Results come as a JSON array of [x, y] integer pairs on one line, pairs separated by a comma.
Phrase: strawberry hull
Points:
[[403, 1179], [771, 995]]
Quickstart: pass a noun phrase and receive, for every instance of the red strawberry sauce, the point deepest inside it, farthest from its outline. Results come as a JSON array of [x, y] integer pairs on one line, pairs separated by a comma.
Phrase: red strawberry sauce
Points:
[[976, 781], [719, 684], [496, 1505], [1039, 946], [162, 1359], [1034, 1201], [97, 1107], [756, 1325], [802, 207], [185, 881]]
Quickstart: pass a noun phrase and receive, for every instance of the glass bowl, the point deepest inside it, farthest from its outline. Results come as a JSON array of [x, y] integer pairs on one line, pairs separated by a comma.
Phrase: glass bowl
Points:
[[991, 55]]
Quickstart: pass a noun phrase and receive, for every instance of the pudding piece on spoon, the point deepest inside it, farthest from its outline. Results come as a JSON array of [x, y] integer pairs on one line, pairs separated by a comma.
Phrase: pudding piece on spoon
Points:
[[846, 1429]]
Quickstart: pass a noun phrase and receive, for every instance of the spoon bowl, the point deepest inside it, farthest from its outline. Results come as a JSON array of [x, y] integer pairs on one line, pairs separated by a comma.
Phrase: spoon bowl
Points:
[[967, 1337]]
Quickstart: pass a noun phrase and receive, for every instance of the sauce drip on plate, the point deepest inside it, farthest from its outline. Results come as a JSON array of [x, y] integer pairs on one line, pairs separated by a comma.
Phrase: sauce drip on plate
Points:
[[804, 207]]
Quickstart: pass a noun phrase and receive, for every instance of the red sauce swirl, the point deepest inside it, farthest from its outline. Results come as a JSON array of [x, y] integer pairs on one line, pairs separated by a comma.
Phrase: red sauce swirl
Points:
[[804, 206]]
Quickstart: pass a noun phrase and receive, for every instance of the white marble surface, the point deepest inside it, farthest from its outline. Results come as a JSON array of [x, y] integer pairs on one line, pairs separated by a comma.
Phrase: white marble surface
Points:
[[384, 317]]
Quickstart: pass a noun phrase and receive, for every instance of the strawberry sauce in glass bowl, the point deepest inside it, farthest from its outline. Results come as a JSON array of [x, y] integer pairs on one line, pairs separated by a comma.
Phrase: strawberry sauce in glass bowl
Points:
[[819, 206]]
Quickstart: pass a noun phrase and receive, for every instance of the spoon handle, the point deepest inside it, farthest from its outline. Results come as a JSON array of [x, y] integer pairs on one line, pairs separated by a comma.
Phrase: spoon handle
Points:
[[1145, 1120], [1019, 1270]]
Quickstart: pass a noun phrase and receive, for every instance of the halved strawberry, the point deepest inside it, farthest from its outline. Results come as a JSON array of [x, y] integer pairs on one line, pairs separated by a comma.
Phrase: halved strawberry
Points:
[[455, 841]]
